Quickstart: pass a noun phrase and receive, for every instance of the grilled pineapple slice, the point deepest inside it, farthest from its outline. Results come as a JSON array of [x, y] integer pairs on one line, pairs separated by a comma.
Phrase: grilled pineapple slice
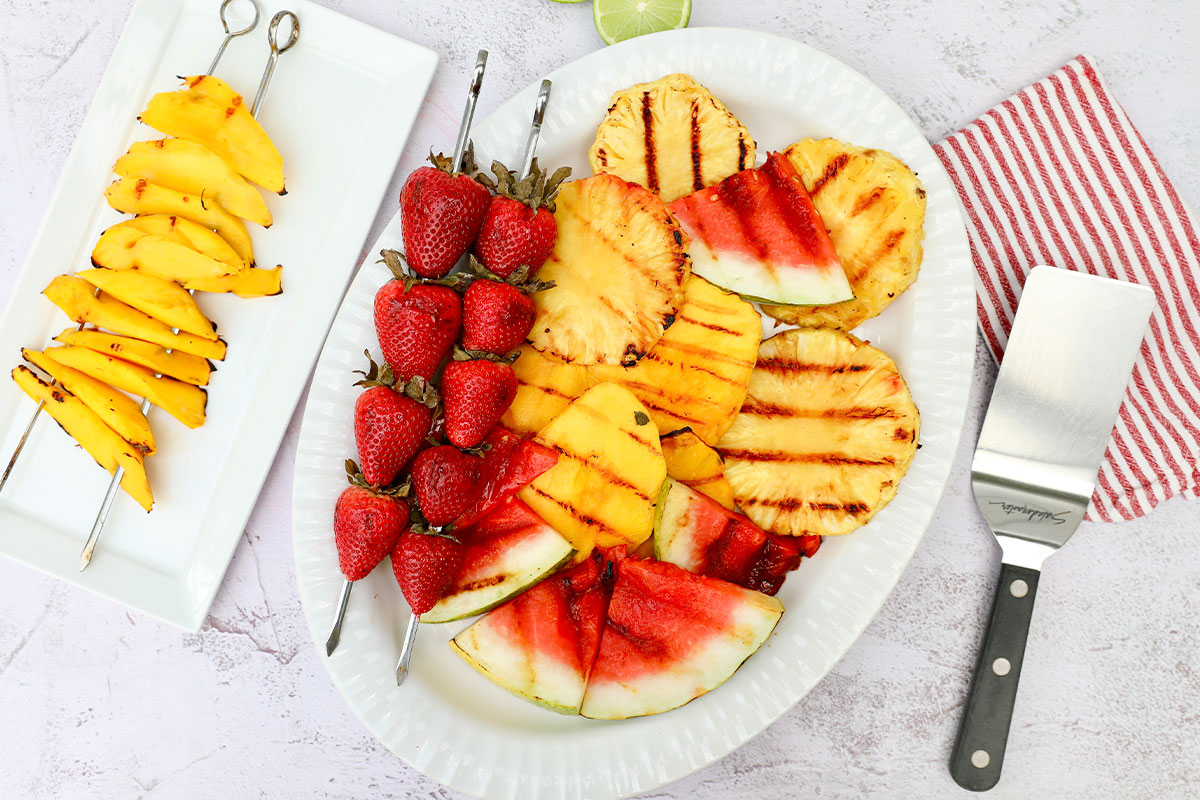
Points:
[[602, 490], [827, 431], [546, 385], [874, 208], [696, 375], [618, 266], [690, 461], [672, 136]]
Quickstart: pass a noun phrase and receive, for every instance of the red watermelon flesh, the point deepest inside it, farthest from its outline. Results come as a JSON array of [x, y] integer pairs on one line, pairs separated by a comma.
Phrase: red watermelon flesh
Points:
[[507, 551], [757, 233], [542, 644], [697, 533], [671, 636], [509, 462]]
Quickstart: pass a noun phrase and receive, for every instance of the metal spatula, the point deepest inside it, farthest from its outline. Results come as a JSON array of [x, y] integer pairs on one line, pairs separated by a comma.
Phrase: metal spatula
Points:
[[1068, 360]]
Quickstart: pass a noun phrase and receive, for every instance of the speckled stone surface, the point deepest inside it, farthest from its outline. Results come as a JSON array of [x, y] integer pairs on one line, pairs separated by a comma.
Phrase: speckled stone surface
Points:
[[99, 702]]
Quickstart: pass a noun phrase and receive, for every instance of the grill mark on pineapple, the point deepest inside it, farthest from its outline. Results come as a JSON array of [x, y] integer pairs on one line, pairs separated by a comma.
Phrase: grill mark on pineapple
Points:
[[697, 180], [553, 392], [784, 365], [764, 408], [655, 391], [831, 459], [648, 144], [612, 245], [597, 415], [741, 151], [866, 201], [609, 475], [830, 172], [794, 504], [575, 513]]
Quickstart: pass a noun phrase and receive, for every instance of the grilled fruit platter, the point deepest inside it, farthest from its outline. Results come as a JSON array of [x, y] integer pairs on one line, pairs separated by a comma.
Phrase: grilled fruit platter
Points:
[[583, 439], [140, 330]]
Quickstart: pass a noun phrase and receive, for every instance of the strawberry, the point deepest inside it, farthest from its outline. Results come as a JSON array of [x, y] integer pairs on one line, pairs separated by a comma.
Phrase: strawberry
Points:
[[496, 317], [424, 565], [446, 482], [417, 323], [519, 228], [366, 525], [476, 393], [441, 212], [390, 422]]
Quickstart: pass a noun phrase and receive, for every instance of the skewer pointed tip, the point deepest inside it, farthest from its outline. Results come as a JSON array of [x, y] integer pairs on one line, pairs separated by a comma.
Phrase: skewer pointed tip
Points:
[[331, 643]]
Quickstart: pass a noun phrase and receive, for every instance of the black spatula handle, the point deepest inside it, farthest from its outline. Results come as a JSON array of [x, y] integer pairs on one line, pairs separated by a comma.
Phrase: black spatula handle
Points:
[[983, 733]]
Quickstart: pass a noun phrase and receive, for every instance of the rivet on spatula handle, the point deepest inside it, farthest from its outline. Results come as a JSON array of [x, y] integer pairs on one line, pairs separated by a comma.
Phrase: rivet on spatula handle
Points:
[[978, 753]]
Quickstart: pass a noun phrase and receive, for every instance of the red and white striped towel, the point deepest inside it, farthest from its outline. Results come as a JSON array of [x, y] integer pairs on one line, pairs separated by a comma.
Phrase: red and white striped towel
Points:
[[1057, 174]]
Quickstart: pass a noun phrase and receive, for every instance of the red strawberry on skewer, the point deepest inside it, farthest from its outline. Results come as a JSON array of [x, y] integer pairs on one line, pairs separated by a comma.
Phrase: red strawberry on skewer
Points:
[[476, 391], [496, 317], [441, 211], [391, 421], [446, 481], [424, 564], [417, 323], [519, 228]]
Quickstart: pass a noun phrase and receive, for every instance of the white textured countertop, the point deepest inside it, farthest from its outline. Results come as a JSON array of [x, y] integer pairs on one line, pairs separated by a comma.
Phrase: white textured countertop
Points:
[[99, 702]]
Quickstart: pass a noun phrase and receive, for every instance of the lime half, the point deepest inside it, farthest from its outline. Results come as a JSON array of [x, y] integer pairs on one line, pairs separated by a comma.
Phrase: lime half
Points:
[[618, 20]]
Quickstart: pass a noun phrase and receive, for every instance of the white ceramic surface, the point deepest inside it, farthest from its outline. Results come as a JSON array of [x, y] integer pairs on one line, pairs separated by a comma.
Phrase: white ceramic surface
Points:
[[463, 731], [339, 108]]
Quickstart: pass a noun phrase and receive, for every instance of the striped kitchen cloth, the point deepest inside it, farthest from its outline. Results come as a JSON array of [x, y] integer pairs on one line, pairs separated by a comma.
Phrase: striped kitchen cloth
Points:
[[1057, 174]]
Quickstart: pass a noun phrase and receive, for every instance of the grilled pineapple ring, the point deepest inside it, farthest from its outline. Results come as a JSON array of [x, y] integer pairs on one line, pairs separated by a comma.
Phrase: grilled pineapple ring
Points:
[[618, 265], [671, 136], [874, 208], [827, 431]]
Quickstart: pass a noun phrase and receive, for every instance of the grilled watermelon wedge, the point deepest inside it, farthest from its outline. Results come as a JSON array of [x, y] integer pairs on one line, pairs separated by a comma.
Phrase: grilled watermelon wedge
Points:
[[757, 233], [671, 636], [541, 645], [509, 463], [697, 533], [506, 552]]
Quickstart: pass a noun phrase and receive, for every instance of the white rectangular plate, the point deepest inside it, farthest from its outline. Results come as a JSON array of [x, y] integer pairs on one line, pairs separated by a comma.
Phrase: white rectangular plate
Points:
[[339, 108]]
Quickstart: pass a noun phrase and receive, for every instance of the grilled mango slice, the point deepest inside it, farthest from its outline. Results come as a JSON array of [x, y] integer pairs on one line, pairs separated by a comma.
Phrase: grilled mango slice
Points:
[[129, 248], [696, 375], [173, 363], [161, 299], [116, 409], [690, 461], [184, 232], [874, 208], [208, 111], [827, 431], [193, 169], [546, 385], [671, 136], [619, 264], [181, 400], [602, 490], [140, 196], [100, 441], [78, 300]]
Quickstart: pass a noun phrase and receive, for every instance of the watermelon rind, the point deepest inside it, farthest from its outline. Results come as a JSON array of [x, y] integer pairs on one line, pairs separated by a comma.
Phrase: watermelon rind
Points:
[[519, 568], [671, 541], [533, 677]]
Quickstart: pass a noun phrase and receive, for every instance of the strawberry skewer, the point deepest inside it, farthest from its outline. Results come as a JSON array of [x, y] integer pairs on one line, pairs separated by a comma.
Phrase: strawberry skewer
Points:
[[460, 149], [446, 572]]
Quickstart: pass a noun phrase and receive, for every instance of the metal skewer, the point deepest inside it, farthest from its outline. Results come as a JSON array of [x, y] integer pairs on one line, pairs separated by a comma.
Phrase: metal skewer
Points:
[[12, 461], [460, 149], [531, 141], [229, 35], [85, 558]]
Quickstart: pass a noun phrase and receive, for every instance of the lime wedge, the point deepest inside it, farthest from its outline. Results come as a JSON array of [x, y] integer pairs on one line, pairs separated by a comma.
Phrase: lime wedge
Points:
[[618, 20], [567, 1]]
